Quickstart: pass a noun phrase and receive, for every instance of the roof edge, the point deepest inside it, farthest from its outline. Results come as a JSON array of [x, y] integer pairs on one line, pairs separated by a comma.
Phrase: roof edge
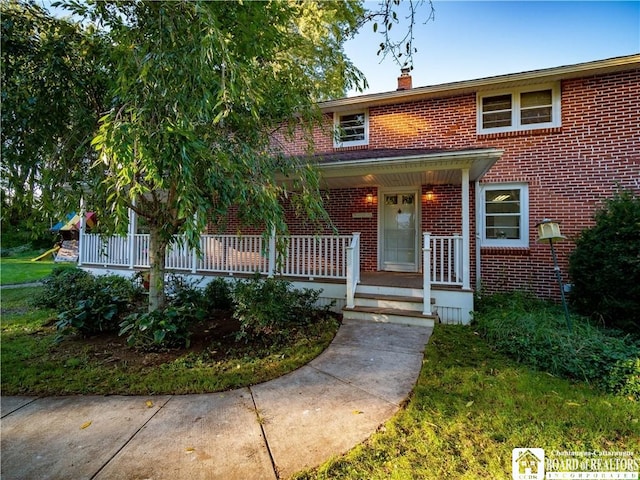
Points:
[[459, 154], [615, 64]]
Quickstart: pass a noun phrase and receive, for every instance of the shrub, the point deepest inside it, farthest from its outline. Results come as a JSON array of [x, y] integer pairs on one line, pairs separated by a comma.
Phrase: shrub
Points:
[[157, 330], [269, 309], [120, 287], [86, 303], [217, 295], [11, 251], [170, 327], [624, 377], [605, 265], [534, 333], [185, 297], [93, 315], [64, 288]]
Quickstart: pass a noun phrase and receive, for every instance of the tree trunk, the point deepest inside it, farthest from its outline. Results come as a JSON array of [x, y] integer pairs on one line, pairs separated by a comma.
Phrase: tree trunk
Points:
[[157, 249]]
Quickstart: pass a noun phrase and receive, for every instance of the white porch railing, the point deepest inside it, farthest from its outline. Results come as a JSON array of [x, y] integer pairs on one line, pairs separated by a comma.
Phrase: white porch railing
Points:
[[329, 257], [111, 251], [442, 264], [303, 255], [315, 257], [446, 260], [232, 254]]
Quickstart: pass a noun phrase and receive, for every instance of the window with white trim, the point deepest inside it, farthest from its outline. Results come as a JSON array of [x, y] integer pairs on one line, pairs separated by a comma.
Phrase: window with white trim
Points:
[[351, 129], [519, 109], [505, 215]]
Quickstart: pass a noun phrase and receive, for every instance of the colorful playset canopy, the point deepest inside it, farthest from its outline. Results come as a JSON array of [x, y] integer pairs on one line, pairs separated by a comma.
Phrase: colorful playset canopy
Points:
[[72, 222]]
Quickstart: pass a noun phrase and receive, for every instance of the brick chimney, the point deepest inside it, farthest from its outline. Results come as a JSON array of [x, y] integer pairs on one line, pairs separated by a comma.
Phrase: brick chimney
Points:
[[404, 80]]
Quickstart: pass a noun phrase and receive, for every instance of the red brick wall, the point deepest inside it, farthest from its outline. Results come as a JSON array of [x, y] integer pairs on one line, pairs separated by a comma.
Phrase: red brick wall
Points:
[[569, 170]]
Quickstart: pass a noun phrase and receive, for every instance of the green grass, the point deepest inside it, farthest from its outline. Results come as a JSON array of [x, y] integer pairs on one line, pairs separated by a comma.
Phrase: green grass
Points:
[[543, 341], [471, 406], [32, 364], [19, 268]]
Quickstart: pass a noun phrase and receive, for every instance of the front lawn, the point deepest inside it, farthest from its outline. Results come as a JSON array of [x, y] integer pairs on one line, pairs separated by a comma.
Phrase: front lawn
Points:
[[34, 364], [471, 406], [18, 268]]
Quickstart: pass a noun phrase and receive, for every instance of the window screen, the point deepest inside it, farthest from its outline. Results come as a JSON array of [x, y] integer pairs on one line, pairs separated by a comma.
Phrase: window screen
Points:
[[503, 210]]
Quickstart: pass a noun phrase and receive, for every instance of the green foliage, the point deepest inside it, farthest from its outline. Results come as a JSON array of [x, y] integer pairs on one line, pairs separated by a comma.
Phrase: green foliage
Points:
[[33, 365], [13, 251], [196, 105], [270, 309], [186, 298], [217, 295], [534, 333], [105, 299], [168, 327], [52, 96], [86, 303], [91, 316], [605, 265], [157, 330], [195, 97], [624, 377], [64, 288]]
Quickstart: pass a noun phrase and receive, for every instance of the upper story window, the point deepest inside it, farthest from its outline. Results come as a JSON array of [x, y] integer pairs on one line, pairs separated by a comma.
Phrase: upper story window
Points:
[[351, 129], [505, 215], [519, 109]]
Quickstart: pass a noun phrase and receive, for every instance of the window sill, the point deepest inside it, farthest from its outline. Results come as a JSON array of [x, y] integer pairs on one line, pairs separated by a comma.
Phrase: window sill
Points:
[[520, 133], [506, 251], [347, 148]]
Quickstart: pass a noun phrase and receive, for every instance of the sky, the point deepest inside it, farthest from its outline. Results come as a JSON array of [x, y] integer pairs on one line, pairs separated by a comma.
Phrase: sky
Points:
[[475, 39]]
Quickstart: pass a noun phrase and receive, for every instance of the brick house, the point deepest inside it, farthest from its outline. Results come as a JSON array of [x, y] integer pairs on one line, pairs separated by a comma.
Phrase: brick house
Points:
[[436, 191]]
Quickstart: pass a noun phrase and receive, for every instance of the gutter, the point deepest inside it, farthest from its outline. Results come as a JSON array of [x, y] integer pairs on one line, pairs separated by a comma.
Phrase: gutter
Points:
[[616, 64], [413, 159]]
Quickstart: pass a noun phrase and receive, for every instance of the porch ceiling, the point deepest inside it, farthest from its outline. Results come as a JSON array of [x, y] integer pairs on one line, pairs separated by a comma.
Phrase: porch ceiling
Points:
[[394, 168]]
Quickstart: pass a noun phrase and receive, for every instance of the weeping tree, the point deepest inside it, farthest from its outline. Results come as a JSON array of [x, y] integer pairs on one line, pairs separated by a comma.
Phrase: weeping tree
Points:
[[53, 90], [197, 91]]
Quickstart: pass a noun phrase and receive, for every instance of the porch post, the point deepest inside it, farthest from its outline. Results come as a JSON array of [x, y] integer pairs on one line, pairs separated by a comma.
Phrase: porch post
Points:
[[194, 251], [466, 220], [131, 237], [426, 273], [83, 224], [272, 253], [353, 269]]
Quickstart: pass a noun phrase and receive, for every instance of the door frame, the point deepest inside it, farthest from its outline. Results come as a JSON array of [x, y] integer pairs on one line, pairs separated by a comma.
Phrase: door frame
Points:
[[416, 191]]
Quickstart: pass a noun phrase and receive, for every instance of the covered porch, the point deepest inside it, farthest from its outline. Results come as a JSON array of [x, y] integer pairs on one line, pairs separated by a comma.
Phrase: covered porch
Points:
[[393, 245]]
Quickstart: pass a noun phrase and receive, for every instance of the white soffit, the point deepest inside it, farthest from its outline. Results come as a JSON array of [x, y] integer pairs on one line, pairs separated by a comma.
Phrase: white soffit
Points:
[[436, 169]]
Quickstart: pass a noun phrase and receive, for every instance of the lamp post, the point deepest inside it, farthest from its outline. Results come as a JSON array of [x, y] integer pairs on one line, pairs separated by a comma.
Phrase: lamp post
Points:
[[550, 230]]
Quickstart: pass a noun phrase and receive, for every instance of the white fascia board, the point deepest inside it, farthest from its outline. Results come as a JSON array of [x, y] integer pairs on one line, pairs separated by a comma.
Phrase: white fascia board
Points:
[[629, 62], [433, 161]]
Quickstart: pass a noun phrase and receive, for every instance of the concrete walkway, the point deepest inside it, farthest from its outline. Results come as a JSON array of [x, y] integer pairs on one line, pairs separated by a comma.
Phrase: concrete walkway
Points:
[[268, 431]]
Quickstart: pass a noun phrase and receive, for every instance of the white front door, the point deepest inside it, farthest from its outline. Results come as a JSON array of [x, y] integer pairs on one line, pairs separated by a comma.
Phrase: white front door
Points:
[[399, 215]]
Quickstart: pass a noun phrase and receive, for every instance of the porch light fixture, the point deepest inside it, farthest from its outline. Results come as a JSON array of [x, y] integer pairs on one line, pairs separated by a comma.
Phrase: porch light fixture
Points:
[[369, 198], [428, 193], [549, 230]]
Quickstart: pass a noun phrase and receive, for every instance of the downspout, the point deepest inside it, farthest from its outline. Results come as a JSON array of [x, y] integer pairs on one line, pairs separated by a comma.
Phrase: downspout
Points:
[[466, 231], [478, 247]]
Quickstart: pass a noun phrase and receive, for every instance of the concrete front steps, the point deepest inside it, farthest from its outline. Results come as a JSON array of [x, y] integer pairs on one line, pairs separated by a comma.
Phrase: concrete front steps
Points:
[[390, 305]]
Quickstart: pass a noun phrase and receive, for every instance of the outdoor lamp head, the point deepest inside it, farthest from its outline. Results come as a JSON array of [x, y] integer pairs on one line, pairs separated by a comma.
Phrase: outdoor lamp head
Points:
[[549, 230]]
